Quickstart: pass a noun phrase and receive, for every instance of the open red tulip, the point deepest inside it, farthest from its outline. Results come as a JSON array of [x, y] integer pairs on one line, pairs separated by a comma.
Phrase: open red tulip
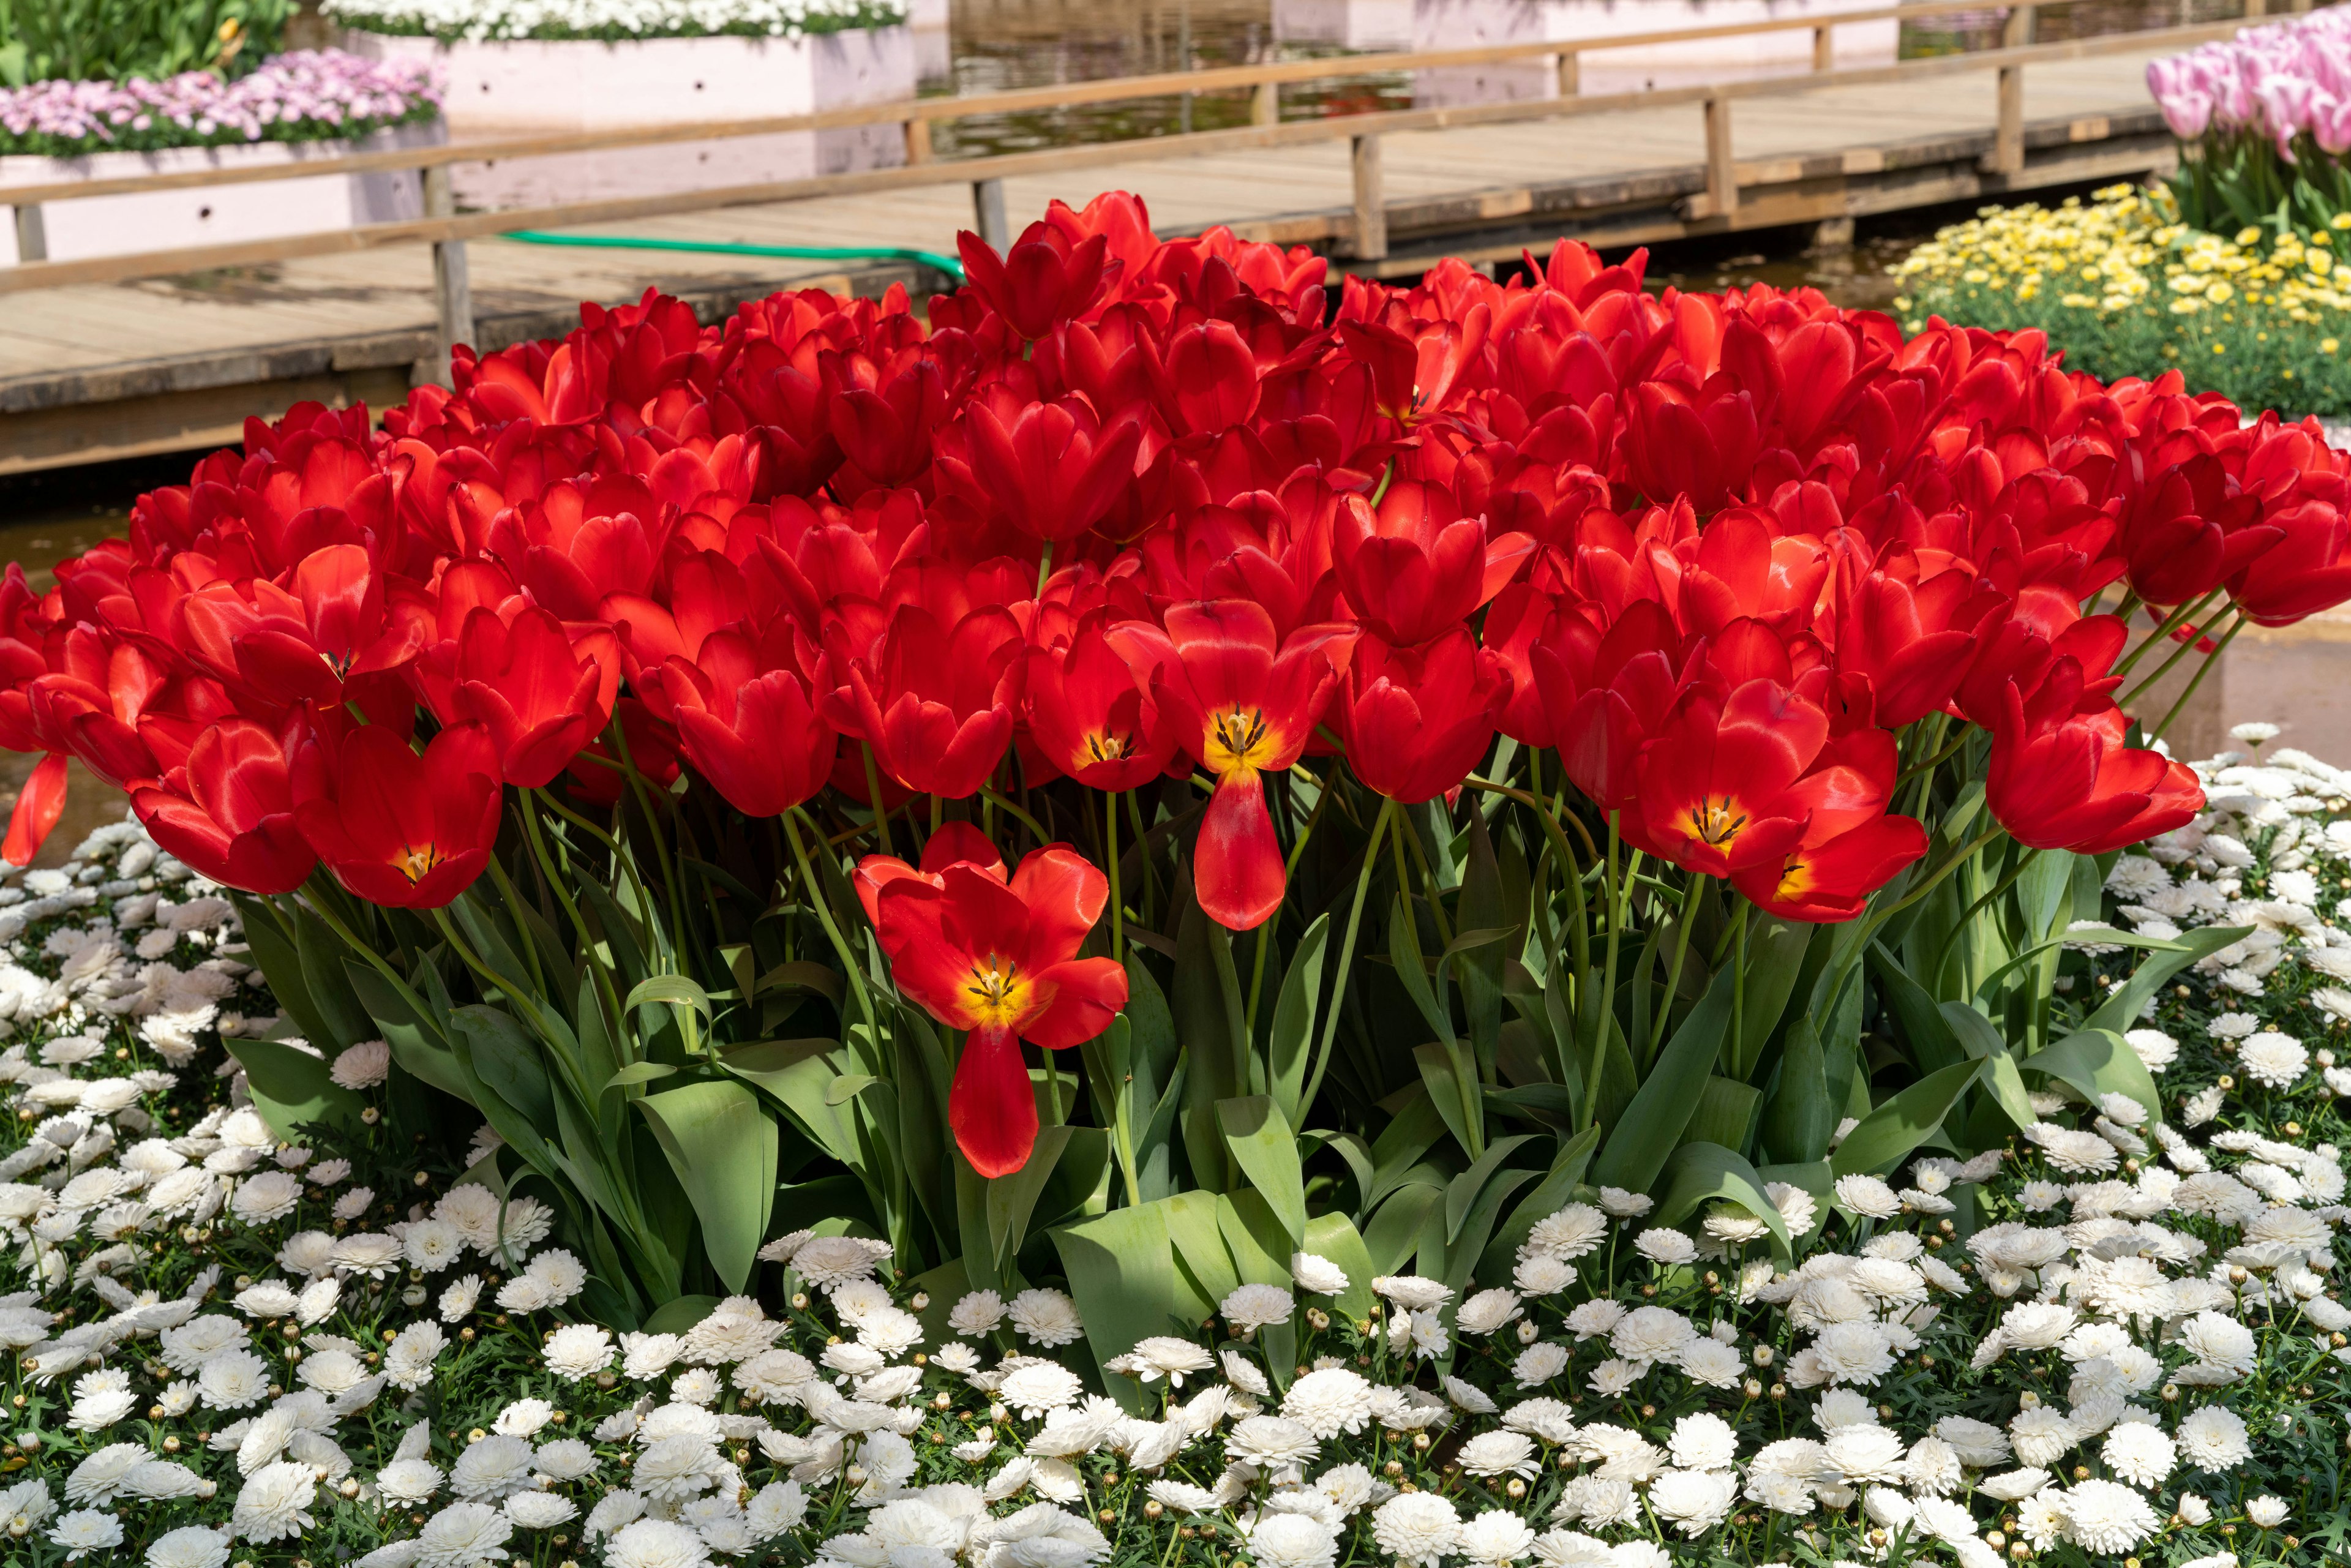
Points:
[[230, 812], [998, 960], [401, 829]]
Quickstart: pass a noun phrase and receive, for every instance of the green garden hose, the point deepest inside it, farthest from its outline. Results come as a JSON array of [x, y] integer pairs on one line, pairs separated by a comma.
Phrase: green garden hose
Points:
[[946, 264]]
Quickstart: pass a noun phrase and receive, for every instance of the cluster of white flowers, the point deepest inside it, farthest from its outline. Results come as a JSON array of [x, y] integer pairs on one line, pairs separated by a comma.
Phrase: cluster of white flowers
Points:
[[2075, 1341], [475, 21]]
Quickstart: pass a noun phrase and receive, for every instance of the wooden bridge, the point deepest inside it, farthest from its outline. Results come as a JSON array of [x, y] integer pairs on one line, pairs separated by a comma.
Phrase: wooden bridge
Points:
[[123, 355]]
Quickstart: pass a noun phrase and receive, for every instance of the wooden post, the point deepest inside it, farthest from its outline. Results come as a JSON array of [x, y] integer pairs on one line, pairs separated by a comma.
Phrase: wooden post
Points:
[[453, 289], [1571, 73], [2257, 7], [2008, 139], [1823, 47], [32, 234], [2019, 28], [1370, 200], [988, 205], [918, 141], [1265, 104], [1722, 171]]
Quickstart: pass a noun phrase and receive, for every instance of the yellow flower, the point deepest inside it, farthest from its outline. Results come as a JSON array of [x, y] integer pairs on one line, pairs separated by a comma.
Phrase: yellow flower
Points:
[[2327, 345], [2248, 234], [2220, 293], [2339, 221], [2185, 305]]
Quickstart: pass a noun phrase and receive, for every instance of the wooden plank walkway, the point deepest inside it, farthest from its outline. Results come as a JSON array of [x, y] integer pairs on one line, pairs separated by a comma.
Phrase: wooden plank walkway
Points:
[[96, 370]]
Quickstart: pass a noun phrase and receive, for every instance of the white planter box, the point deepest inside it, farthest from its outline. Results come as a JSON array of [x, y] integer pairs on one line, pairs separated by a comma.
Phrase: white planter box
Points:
[[1471, 24], [530, 87], [214, 214]]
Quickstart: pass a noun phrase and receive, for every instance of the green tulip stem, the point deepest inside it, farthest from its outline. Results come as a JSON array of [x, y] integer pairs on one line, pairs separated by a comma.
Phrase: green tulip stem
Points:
[[2219, 648], [817, 901], [1110, 854], [2171, 623], [873, 794], [1674, 970], [1346, 956]]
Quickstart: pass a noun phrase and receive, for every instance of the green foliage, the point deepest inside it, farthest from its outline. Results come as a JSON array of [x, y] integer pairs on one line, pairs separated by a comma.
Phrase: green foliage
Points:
[[112, 40]]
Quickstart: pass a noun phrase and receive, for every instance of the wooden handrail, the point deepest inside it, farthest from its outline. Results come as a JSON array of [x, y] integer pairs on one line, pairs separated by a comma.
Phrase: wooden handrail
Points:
[[1014, 165], [929, 112]]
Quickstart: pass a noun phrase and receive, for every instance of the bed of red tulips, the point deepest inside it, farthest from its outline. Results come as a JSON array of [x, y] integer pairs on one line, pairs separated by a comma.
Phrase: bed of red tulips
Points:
[[1122, 510]]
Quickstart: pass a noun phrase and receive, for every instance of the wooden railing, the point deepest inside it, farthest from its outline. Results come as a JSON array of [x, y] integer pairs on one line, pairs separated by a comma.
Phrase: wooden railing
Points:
[[448, 230]]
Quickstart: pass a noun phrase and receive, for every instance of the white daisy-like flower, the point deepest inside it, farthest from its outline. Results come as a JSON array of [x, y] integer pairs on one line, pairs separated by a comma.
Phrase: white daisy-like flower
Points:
[[265, 1196], [1703, 1442], [491, 1470], [1418, 1527], [1694, 1502], [977, 1314], [1499, 1453], [1620, 1204], [540, 1510], [1330, 1401], [832, 1260], [2220, 1342], [458, 1302], [1649, 1334], [85, 1530], [362, 1066], [1539, 1274], [1047, 1317], [232, 1379], [1868, 1197], [1572, 1232], [407, 1482], [2212, 1439], [275, 1502], [1253, 1307], [2155, 1049], [1164, 1355], [2267, 1513], [189, 1546], [578, 1350], [1034, 1387], [1797, 1208], [1488, 1311], [1317, 1275], [1292, 1540], [432, 1244], [1539, 1364], [1495, 1537], [1270, 1442], [1666, 1247], [1412, 1292], [463, 1534], [2272, 1059], [2139, 1453], [2106, 1517]]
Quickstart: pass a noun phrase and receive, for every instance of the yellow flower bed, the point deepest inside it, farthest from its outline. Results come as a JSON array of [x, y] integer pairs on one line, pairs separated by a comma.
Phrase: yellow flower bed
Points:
[[2125, 288]]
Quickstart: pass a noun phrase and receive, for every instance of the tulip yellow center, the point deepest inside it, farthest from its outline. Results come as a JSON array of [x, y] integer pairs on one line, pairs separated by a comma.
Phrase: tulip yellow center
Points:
[[1716, 820], [1240, 740], [1106, 745], [1000, 993], [414, 860]]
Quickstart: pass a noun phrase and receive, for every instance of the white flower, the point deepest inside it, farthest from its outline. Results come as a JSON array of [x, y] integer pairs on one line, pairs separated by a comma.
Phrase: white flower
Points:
[[2212, 1439], [2106, 1517], [492, 1469], [1330, 1401], [1703, 1442], [189, 1546], [1036, 1387], [2274, 1058], [1623, 1205], [1253, 1307], [432, 1244], [407, 1482], [977, 1314], [1418, 1527], [540, 1510], [1568, 1235], [101, 1399], [1666, 1247], [1317, 1275], [2155, 1049], [1710, 1362], [1539, 1364], [578, 1350], [1867, 1197], [1650, 1333], [1797, 1208], [2220, 1342], [1487, 1311], [362, 1066], [1270, 1442], [2139, 1454], [1495, 1537], [1048, 1317], [1292, 1540], [1412, 1292], [463, 1534], [408, 1360], [1164, 1355], [265, 1196], [2266, 1512], [2253, 733], [1694, 1502], [85, 1530], [457, 1300], [834, 1259], [233, 1379], [1538, 1274], [272, 1505], [1499, 1453]]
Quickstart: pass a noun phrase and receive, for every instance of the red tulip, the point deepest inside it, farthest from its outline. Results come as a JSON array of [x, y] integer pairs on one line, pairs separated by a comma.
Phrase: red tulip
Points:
[[332, 626], [754, 734], [1247, 704], [935, 700], [954, 844], [2192, 530], [1414, 566], [1833, 881], [401, 829], [230, 811], [1055, 468], [1090, 716], [1417, 720], [2066, 782], [537, 696], [2308, 570], [1046, 278], [1701, 447], [38, 806], [1000, 961]]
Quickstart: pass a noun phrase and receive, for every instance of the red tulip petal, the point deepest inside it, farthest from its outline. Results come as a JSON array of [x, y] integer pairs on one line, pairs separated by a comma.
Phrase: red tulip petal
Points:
[[991, 1107], [1237, 873], [38, 806]]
